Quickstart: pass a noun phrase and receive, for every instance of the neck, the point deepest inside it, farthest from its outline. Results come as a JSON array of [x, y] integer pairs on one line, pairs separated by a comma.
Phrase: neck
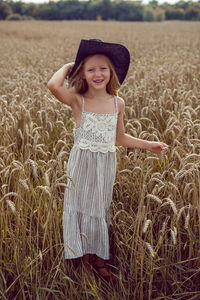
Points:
[[96, 94]]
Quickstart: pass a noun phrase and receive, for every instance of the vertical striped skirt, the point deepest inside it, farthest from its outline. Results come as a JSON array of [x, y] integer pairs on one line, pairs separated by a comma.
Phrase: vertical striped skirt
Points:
[[87, 202]]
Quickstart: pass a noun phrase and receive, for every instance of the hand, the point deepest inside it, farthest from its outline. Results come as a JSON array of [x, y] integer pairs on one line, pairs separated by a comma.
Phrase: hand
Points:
[[157, 147], [68, 68]]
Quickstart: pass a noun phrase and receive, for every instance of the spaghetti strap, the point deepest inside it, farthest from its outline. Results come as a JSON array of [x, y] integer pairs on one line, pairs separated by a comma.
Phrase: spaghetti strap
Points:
[[82, 104], [116, 104]]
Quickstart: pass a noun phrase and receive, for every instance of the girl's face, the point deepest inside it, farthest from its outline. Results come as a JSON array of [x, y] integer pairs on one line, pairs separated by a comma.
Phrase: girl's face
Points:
[[96, 72]]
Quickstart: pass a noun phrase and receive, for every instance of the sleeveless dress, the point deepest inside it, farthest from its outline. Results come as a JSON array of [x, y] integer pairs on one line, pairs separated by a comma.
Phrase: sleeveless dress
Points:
[[92, 169]]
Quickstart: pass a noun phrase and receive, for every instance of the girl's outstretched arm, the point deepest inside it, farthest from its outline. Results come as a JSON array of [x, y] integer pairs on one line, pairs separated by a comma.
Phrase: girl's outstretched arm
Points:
[[126, 140], [55, 85]]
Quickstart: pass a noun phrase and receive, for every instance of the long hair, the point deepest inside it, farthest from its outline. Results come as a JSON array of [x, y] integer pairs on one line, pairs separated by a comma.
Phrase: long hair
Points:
[[81, 85]]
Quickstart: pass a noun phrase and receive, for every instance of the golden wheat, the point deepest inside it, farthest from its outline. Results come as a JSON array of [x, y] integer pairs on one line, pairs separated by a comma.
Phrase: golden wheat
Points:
[[155, 214]]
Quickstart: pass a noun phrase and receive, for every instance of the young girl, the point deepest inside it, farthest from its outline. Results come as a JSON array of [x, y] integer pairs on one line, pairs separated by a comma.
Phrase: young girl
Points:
[[94, 79]]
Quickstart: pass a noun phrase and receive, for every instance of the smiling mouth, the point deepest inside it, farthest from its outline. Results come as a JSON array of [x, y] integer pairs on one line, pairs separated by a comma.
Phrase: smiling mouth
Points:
[[98, 81]]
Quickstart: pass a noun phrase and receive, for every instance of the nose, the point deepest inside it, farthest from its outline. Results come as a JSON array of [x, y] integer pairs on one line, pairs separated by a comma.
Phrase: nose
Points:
[[97, 72]]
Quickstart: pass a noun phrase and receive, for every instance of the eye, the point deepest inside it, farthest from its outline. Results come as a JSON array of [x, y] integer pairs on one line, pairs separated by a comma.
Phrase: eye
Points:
[[90, 70], [103, 68]]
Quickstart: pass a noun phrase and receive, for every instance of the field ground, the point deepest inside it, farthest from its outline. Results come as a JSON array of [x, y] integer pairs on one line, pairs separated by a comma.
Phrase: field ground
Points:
[[155, 214]]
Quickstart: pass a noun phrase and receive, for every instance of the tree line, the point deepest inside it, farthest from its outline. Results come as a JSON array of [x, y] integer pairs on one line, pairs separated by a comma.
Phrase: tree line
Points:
[[119, 10]]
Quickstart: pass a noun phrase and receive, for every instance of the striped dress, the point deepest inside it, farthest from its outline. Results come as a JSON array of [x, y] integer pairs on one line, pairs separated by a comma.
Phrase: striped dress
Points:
[[92, 168]]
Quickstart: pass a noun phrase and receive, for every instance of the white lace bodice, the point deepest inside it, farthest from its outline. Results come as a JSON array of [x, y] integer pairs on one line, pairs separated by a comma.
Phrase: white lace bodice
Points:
[[97, 132]]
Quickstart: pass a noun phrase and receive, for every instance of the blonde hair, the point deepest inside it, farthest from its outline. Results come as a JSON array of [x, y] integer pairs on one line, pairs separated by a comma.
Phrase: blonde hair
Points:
[[81, 85]]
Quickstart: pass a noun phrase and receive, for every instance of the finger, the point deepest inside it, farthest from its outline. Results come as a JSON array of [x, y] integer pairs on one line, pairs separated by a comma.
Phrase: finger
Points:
[[164, 146], [164, 150]]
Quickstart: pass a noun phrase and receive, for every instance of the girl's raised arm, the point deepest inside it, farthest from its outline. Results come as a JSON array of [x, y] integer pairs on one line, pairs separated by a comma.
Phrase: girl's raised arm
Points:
[[55, 85]]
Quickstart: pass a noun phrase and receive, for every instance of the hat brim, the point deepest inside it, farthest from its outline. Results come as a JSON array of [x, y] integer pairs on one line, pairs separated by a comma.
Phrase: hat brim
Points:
[[117, 53]]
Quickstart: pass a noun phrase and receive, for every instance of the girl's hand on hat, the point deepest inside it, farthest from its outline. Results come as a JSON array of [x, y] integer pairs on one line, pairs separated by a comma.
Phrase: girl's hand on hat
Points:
[[68, 68], [158, 147]]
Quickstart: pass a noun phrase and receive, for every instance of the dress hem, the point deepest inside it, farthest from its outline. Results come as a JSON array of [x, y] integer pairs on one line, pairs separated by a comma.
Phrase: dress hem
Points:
[[92, 253]]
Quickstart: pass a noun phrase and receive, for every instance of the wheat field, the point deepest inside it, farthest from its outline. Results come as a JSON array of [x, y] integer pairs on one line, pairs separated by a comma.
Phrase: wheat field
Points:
[[155, 213]]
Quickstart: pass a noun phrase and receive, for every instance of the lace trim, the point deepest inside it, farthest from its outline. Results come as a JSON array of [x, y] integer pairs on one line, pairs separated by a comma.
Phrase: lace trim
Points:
[[97, 132]]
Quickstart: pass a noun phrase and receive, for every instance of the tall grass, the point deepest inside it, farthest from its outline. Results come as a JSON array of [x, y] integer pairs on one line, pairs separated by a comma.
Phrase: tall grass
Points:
[[155, 213]]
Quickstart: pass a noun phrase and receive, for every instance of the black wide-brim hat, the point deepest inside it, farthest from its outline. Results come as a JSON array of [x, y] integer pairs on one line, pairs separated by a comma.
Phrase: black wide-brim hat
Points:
[[117, 53]]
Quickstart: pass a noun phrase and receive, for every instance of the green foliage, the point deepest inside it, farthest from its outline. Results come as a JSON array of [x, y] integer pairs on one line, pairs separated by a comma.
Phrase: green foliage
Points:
[[174, 13], [192, 13], [148, 14], [151, 14], [159, 15], [5, 10], [103, 10], [127, 11], [17, 7], [14, 17]]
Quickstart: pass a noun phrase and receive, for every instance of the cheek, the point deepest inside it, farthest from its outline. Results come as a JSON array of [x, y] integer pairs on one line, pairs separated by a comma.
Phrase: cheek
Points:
[[88, 77], [109, 74]]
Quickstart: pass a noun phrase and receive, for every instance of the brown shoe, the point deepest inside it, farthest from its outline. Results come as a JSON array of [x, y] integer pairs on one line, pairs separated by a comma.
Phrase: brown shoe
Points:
[[86, 263], [103, 271]]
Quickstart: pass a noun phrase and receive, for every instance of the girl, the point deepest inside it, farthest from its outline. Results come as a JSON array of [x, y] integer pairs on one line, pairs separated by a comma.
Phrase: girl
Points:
[[94, 79]]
